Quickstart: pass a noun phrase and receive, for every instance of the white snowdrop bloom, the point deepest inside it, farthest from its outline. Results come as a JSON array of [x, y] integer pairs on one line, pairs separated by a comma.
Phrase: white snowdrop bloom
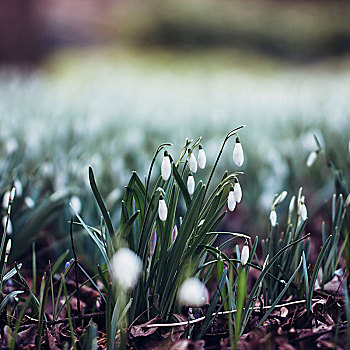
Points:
[[202, 159], [245, 255], [5, 199], [311, 159], [273, 217], [11, 145], [238, 157], [280, 198], [166, 166], [162, 210], [19, 187], [192, 292], [303, 211], [237, 191], [231, 201], [29, 202], [190, 184], [9, 225], [126, 268], [76, 204], [291, 205], [347, 201], [192, 162]]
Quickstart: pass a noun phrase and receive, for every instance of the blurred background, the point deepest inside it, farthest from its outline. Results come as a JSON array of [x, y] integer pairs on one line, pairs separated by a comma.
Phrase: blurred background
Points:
[[105, 82]]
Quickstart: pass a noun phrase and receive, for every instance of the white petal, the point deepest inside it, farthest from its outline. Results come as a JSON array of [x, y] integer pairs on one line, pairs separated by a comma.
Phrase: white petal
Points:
[[303, 212], [192, 292], [238, 157], [19, 187], [76, 204], [5, 199], [192, 162], [126, 268], [237, 192], [273, 218], [245, 255], [166, 168], [311, 159], [291, 205], [29, 202], [202, 159], [9, 225], [190, 184], [162, 210], [280, 198], [231, 201]]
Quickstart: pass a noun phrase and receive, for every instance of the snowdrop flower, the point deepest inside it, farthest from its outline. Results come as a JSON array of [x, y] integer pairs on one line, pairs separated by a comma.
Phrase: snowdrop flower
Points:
[[193, 292], [19, 188], [9, 225], [126, 268], [29, 202], [162, 209], [231, 201], [311, 159], [192, 162], [7, 251], [238, 157], [153, 242], [190, 184], [202, 159], [166, 166], [347, 201], [273, 217], [8, 197], [76, 204], [280, 198], [291, 205], [174, 234], [237, 191], [303, 210], [245, 254]]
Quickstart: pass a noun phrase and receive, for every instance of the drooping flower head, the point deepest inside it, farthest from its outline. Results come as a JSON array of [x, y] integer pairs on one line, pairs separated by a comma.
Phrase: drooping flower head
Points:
[[202, 159], [190, 183], [245, 254], [238, 156], [231, 201], [166, 166], [237, 191], [273, 217], [192, 162], [162, 209]]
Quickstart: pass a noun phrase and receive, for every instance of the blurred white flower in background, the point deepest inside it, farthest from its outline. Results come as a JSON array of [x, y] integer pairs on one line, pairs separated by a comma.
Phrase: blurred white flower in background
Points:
[[126, 268], [9, 225], [311, 159], [193, 292], [76, 204]]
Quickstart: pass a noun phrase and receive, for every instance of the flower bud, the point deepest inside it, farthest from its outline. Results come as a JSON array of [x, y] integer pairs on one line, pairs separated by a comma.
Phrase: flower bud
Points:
[[238, 157], [237, 191], [192, 162], [303, 211], [245, 254], [231, 201], [280, 198], [273, 217], [126, 268], [162, 209], [311, 159], [193, 293], [166, 166], [202, 159], [291, 205], [153, 242], [174, 234], [190, 184]]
